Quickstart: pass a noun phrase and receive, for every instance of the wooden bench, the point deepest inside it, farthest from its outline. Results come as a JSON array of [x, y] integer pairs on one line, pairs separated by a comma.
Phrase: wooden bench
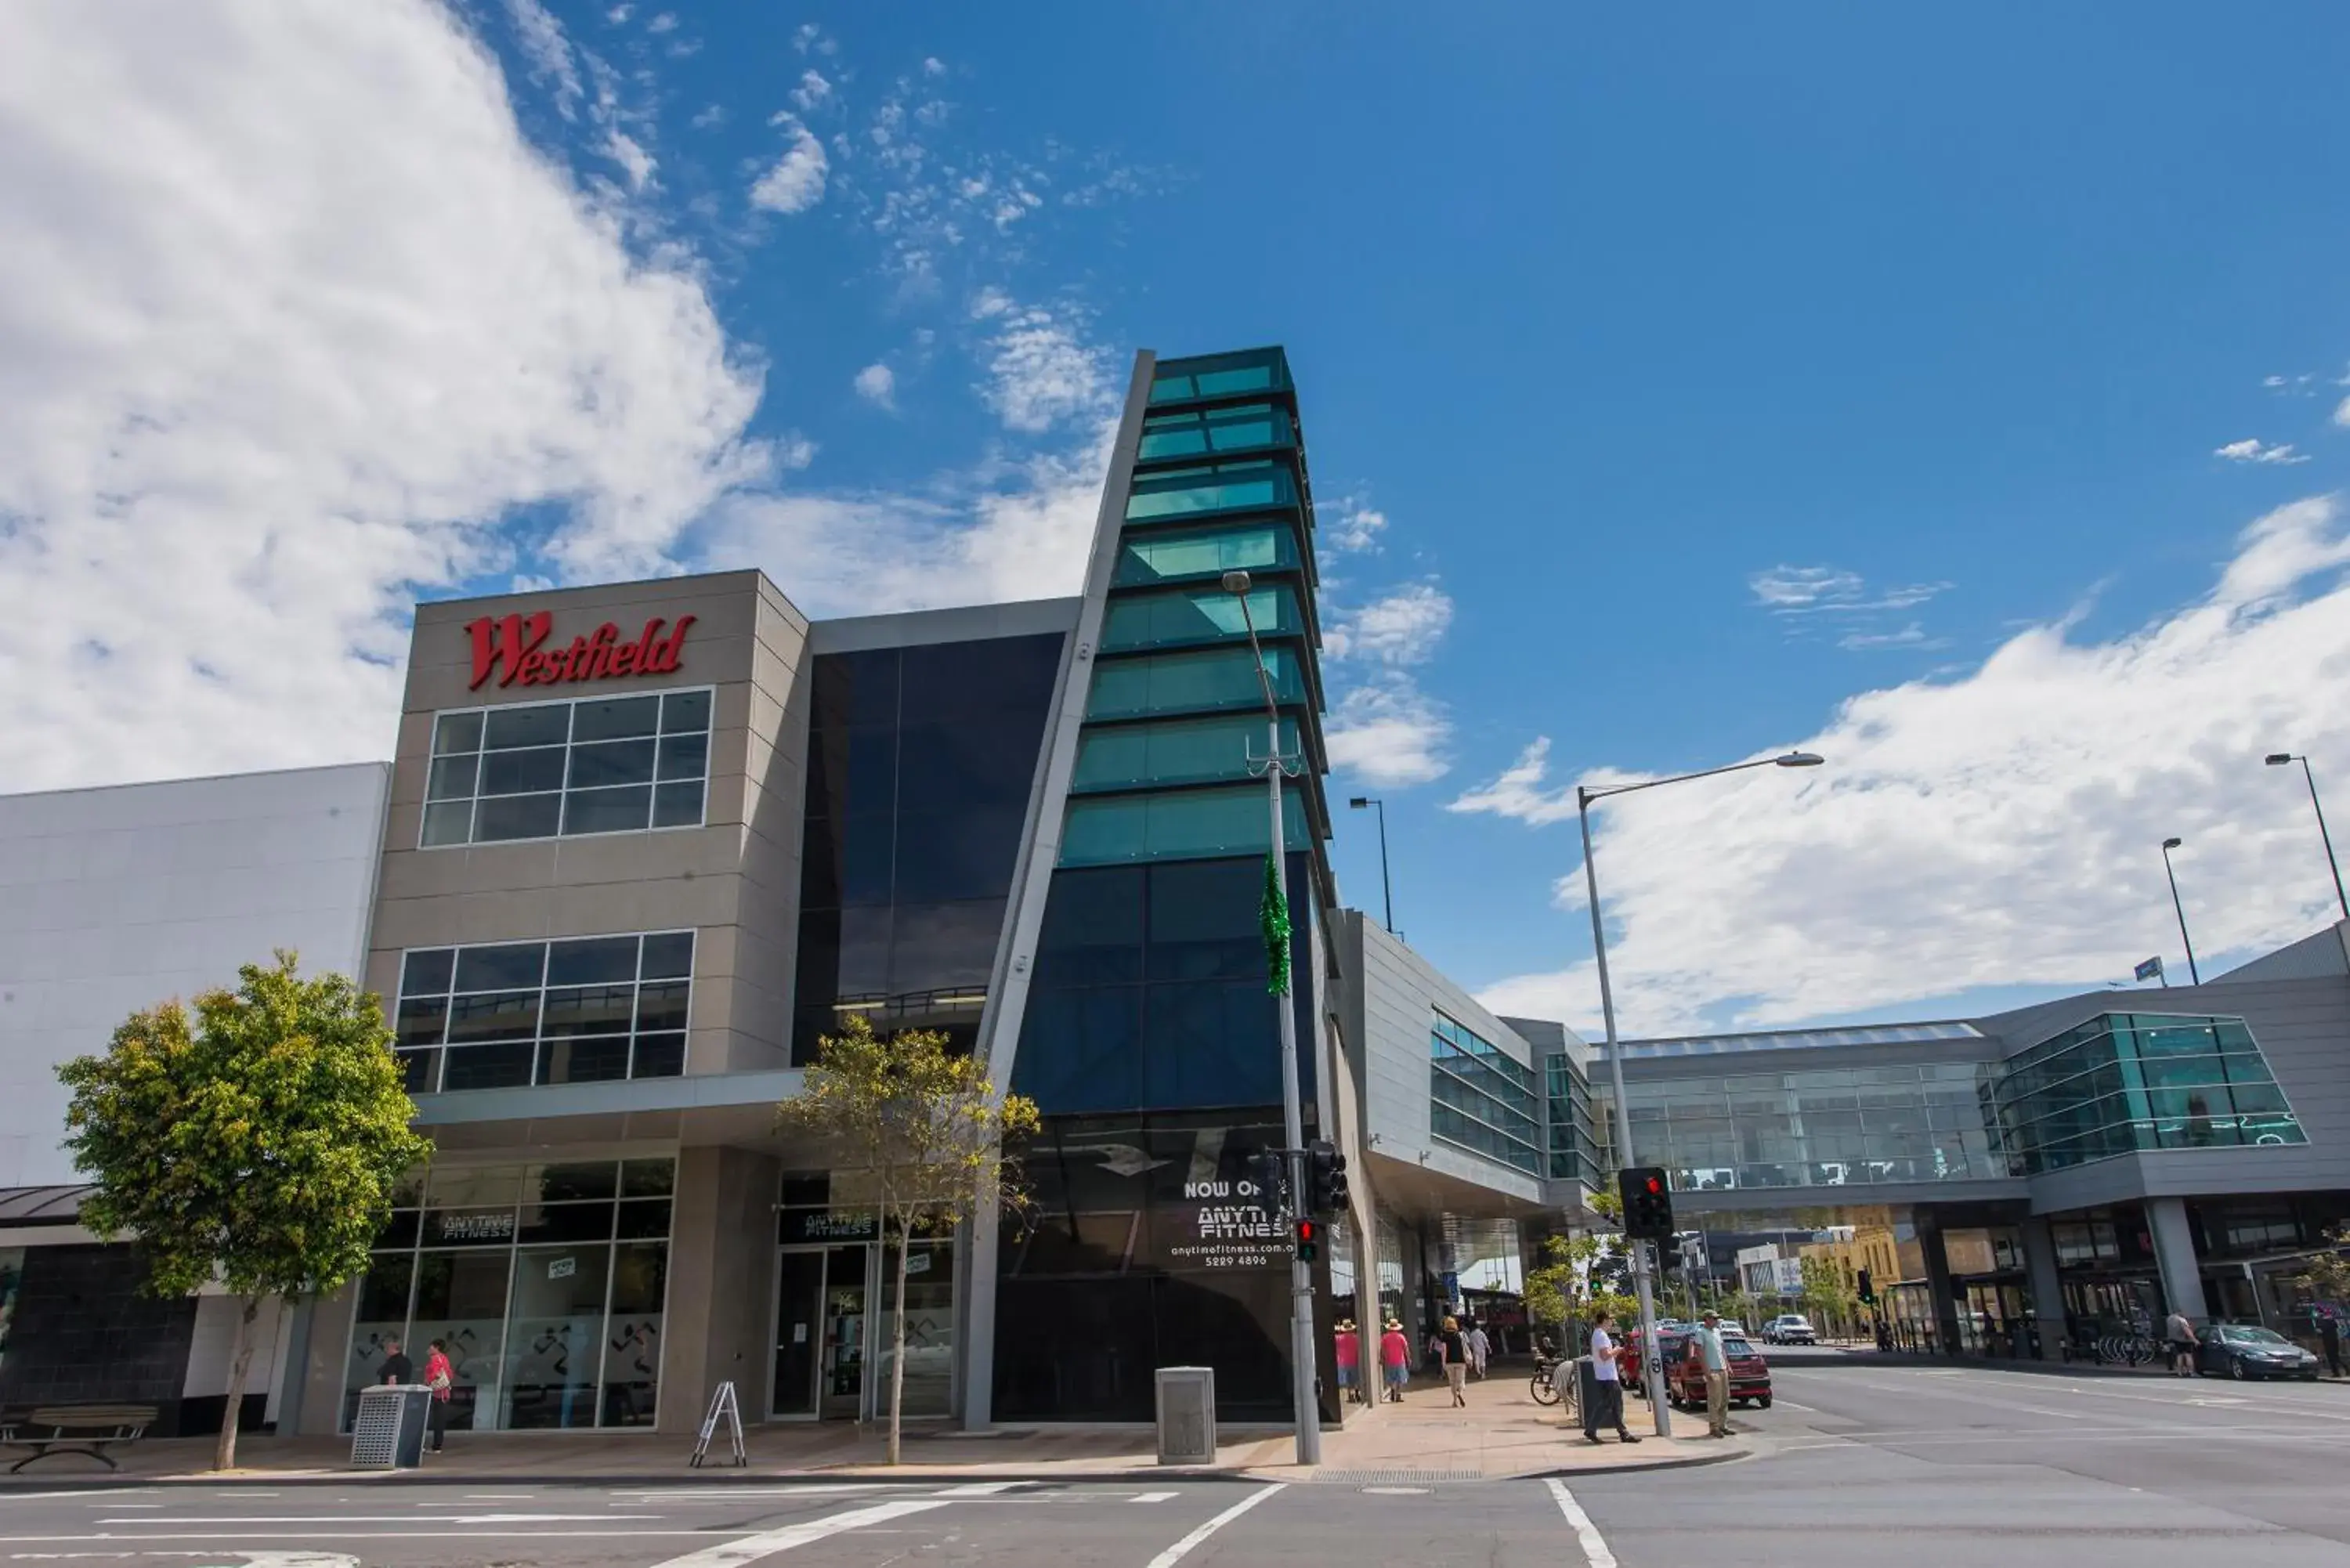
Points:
[[88, 1429]]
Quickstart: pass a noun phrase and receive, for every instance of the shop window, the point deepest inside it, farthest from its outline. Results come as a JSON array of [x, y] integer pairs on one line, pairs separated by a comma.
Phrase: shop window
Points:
[[547, 1284], [516, 1014], [550, 770]]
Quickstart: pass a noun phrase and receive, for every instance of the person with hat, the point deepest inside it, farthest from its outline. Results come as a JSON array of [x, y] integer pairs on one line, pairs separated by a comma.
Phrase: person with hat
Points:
[[1708, 1345], [1350, 1360], [1395, 1359]]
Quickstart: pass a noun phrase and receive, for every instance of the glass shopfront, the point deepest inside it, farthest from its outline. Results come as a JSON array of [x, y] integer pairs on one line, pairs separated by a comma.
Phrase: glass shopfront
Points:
[[836, 1303], [546, 1283]]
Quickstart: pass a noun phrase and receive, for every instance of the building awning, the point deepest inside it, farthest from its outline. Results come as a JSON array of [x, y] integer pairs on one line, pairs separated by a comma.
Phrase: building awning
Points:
[[42, 1205]]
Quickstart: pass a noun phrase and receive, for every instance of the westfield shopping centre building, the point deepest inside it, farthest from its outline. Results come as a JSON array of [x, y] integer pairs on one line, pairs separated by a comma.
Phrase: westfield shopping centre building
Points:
[[646, 844]]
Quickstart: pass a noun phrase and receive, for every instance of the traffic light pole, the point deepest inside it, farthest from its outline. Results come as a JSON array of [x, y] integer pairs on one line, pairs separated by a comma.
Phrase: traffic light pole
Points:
[[1652, 1361], [1293, 1119]]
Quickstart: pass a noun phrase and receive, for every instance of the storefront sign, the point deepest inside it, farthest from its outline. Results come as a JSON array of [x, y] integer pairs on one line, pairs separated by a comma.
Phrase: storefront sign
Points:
[[513, 647], [1222, 1228], [477, 1225], [799, 1225]]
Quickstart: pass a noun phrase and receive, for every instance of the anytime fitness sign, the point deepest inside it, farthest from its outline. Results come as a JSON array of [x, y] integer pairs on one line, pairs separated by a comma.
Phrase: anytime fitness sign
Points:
[[513, 647]]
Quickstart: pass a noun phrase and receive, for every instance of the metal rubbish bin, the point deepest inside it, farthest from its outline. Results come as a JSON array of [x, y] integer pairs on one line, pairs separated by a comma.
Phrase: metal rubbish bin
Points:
[[1586, 1389], [388, 1433], [1187, 1415]]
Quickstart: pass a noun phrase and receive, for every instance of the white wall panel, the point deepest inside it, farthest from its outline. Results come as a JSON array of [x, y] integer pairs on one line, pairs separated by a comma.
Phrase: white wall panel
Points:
[[114, 899]]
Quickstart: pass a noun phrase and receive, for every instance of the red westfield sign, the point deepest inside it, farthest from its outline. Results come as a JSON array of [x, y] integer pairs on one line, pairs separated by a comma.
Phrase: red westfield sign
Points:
[[513, 647]]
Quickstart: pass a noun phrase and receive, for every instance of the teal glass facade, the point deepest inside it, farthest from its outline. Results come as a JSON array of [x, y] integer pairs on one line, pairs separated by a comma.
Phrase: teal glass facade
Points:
[[1572, 1148], [1481, 1097], [2127, 1082]]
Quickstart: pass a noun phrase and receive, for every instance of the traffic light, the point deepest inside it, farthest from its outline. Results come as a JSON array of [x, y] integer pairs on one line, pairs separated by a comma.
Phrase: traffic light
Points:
[[1867, 1289], [1325, 1178], [1648, 1201], [1309, 1240], [1265, 1170]]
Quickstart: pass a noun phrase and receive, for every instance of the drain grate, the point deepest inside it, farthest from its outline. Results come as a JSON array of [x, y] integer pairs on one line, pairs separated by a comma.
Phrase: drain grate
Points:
[[1396, 1478]]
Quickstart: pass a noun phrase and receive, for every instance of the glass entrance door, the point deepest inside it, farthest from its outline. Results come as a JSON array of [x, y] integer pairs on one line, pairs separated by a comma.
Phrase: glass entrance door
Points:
[[841, 1376], [799, 1331]]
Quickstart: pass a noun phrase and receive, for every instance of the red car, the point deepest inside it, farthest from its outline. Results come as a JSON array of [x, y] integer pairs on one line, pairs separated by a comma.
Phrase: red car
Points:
[[1749, 1375], [1628, 1357]]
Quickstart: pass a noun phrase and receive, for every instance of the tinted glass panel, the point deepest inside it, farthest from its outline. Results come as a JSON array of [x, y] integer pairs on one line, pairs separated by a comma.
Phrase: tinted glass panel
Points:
[[663, 1006], [448, 822], [611, 763], [501, 968], [453, 776], [953, 766], [943, 947], [457, 732], [426, 971], [494, 1016], [590, 1060], [961, 681], [1093, 928], [590, 1009], [659, 1056], [521, 773], [607, 810], [506, 1066], [856, 688], [685, 711], [421, 1020], [667, 955], [678, 805], [685, 756], [516, 816], [1203, 920], [541, 726], [616, 717], [957, 854]]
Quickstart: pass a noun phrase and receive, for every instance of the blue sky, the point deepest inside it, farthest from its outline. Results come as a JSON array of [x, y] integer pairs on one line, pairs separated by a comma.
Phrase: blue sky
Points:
[[1681, 381]]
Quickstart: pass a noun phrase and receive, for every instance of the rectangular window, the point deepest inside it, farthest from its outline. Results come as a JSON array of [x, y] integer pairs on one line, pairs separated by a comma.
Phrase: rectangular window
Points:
[[1189, 750], [547, 1284], [1198, 682], [1180, 555], [578, 1010], [1219, 375], [1187, 824], [1482, 1097], [563, 770], [1202, 492], [1207, 433], [1199, 615]]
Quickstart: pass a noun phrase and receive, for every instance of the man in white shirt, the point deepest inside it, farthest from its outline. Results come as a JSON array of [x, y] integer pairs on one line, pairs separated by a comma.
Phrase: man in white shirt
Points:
[[1606, 1404], [2184, 1344], [1717, 1377], [1480, 1348]]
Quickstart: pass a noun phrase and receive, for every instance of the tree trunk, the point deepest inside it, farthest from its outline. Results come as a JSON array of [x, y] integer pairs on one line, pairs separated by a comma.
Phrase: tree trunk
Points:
[[898, 1347], [240, 1362]]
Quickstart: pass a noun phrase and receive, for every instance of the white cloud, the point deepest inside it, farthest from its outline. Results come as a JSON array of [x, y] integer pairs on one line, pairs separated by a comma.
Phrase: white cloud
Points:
[[1910, 636], [666, 22], [711, 114], [1388, 733], [547, 52], [1041, 368], [1402, 626], [811, 38], [620, 14], [2341, 412], [1351, 526], [291, 318], [796, 181], [2249, 450], [878, 385], [933, 67], [1799, 587], [634, 160], [2000, 827], [813, 92]]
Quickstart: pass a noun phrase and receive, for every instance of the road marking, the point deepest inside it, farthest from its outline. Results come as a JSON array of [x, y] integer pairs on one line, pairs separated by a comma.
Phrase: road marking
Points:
[[1791, 1405], [105, 1494], [983, 1488], [1152, 1497], [1174, 1554], [1594, 1547], [751, 1548], [721, 1491]]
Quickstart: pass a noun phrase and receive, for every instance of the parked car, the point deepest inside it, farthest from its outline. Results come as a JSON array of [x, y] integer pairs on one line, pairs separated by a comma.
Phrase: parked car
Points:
[[1627, 1356], [1749, 1375], [2241, 1351], [1789, 1328]]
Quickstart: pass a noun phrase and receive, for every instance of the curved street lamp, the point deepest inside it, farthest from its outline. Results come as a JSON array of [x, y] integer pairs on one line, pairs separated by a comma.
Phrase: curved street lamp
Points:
[[2167, 845], [1584, 795], [2282, 759]]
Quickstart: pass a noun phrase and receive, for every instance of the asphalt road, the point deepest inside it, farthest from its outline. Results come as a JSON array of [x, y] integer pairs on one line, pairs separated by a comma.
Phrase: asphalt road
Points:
[[1861, 1462]]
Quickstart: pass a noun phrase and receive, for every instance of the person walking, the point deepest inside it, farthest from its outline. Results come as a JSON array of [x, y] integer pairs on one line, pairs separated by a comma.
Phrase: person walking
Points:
[[1606, 1406], [2329, 1337], [1717, 1375], [1350, 1361], [1454, 1353], [441, 1378], [1481, 1349], [396, 1368], [1395, 1359], [2183, 1344]]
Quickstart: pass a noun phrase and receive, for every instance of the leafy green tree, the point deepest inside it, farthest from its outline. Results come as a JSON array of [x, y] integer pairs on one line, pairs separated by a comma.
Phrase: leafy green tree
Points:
[[920, 1127], [1826, 1295], [254, 1144], [2327, 1276]]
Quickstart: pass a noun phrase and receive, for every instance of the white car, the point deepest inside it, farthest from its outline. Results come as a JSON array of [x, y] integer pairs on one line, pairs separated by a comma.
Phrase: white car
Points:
[[1790, 1328]]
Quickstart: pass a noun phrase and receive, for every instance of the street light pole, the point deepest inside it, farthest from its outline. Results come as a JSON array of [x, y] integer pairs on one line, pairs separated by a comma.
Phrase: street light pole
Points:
[[2278, 760], [1301, 1276], [2180, 910], [1386, 893], [1653, 1361]]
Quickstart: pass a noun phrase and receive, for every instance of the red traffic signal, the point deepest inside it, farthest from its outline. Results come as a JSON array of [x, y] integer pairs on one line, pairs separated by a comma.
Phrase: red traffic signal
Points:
[[1309, 1240]]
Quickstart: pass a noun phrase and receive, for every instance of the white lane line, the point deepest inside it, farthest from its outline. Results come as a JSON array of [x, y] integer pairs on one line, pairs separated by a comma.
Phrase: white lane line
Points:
[[336, 1535], [721, 1491], [1150, 1497], [1174, 1554], [502, 1497], [1791, 1405], [983, 1488], [1594, 1547], [751, 1548]]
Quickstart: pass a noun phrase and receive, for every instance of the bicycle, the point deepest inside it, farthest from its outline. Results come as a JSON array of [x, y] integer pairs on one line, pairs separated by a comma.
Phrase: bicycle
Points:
[[1546, 1387]]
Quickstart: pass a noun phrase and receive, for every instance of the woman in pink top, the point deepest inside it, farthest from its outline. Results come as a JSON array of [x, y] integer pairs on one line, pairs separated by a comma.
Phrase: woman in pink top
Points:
[[1394, 1356], [1350, 1360]]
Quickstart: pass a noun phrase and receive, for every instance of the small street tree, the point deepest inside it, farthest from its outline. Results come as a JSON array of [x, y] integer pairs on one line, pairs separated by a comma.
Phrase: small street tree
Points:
[[2326, 1276], [1826, 1296], [921, 1127], [254, 1143]]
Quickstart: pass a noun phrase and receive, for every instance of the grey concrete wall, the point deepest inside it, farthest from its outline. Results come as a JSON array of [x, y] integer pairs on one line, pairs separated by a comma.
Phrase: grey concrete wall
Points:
[[735, 880], [720, 1317], [2322, 953]]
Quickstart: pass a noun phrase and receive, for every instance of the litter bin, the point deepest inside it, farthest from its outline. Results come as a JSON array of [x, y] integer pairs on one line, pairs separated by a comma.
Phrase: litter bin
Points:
[[1187, 1415], [388, 1433], [1586, 1389]]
